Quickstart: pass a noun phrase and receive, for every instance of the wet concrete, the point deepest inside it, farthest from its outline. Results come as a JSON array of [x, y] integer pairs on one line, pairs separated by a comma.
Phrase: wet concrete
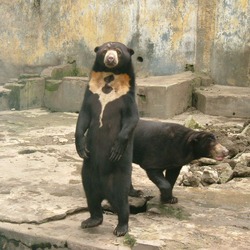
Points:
[[43, 203]]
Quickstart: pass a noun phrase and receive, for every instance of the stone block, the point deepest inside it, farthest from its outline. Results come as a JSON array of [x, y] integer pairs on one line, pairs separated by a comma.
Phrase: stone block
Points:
[[26, 93], [4, 98], [31, 96], [164, 96], [223, 101], [66, 95]]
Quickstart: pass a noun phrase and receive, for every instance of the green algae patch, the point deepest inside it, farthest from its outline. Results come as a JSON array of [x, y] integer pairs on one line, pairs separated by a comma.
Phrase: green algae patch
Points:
[[52, 85], [172, 211], [129, 240]]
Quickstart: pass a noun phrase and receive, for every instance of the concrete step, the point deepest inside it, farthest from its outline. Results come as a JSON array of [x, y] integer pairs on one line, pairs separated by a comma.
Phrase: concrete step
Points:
[[165, 96], [4, 98], [65, 95], [157, 96], [22, 94], [221, 100]]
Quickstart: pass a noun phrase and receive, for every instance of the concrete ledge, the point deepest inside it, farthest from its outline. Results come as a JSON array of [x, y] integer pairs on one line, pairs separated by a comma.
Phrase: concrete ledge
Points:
[[66, 95], [223, 101], [164, 96], [4, 98], [25, 94], [157, 97], [58, 72]]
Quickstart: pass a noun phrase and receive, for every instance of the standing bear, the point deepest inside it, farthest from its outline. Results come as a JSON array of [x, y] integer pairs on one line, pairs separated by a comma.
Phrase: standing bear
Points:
[[104, 133]]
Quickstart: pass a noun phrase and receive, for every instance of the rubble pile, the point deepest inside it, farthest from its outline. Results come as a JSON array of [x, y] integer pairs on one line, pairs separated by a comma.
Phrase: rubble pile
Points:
[[205, 171]]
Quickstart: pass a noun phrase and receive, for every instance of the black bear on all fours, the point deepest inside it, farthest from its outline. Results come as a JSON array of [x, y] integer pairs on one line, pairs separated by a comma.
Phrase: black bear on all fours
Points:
[[108, 116], [160, 146]]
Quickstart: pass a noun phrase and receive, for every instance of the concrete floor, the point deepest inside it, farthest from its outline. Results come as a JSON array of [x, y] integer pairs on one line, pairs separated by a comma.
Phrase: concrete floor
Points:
[[43, 203]]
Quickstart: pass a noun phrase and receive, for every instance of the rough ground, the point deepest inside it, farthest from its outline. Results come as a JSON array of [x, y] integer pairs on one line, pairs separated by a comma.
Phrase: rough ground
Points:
[[43, 204]]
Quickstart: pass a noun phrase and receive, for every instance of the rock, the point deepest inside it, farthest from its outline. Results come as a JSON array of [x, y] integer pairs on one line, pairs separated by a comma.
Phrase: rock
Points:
[[185, 169], [207, 161], [192, 179], [136, 204], [225, 172], [244, 159], [154, 210], [191, 123], [136, 201], [209, 176], [241, 170], [231, 162], [246, 130], [63, 140]]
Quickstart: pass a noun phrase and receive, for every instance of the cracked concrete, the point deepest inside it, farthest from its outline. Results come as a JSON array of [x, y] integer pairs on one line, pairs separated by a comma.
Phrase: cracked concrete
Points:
[[43, 203]]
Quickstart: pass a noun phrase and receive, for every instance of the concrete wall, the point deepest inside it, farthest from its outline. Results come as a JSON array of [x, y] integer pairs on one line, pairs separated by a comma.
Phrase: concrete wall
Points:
[[166, 35], [231, 47], [38, 33], [223, 48]]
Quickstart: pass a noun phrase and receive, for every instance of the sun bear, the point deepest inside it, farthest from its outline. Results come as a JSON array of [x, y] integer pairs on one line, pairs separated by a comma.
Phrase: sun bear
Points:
[[104, 133], [161, 146]]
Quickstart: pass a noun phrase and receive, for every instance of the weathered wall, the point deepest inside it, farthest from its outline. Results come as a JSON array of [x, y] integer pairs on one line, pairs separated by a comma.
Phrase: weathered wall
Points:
[[36, 34], [223, 50], [166, 35], [230, 53]]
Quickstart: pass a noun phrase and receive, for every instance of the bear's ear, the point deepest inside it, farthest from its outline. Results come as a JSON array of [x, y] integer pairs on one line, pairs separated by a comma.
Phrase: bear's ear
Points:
[[131, 52], [193, 137], [96, 49]]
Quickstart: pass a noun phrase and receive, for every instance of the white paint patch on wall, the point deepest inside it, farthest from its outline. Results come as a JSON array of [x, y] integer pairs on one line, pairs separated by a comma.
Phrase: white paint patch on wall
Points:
[[232, 24]]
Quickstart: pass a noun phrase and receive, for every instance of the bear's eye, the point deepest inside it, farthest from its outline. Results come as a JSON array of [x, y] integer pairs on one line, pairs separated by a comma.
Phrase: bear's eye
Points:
[[104, 51], [118, 51]]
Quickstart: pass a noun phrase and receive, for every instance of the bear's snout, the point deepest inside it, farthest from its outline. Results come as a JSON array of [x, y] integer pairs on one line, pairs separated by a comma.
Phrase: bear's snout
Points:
[[219, 152], [111, 59]]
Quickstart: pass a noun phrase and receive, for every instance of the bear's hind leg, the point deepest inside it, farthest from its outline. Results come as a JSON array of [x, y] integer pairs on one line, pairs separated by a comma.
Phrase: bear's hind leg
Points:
[[96, 213], [123, 217], [96, 218], [119, 202], [91, 222]]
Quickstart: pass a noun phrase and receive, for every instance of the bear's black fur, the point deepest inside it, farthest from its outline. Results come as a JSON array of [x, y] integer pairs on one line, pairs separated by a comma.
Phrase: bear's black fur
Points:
[[108, 116], [160, 146]]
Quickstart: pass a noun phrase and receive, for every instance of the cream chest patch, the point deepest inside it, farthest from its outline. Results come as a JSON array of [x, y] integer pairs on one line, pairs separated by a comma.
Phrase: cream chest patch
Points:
[[109, 87]]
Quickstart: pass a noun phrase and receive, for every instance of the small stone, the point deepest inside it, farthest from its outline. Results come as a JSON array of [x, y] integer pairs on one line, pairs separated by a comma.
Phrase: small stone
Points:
[[63, 140], [154, 210], [207, 161], [136, 201], [192, 179], [225, 172], [244, 159], [209, 176], [241, 170]]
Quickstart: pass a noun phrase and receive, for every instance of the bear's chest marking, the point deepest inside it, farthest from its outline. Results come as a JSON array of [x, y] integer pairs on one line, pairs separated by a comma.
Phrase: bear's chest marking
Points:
[[108, 87]]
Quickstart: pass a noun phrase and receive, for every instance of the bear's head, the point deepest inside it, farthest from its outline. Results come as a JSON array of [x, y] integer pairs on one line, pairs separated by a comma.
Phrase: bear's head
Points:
[[206, 145], [113, 57]]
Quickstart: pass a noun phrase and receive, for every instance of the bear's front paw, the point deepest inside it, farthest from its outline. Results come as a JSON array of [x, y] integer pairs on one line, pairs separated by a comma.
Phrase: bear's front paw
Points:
[[81, 149], [118, 150]]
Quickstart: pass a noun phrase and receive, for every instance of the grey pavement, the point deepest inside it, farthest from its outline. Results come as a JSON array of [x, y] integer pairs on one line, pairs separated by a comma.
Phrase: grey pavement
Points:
[[43, 203]]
